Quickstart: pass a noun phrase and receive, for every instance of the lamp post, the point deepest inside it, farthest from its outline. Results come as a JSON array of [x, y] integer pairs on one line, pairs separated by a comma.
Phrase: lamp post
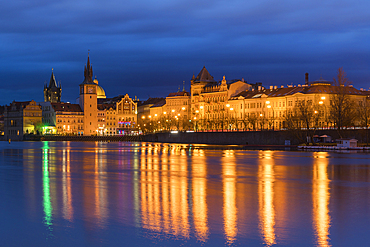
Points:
[[227, 117], [231, 118]]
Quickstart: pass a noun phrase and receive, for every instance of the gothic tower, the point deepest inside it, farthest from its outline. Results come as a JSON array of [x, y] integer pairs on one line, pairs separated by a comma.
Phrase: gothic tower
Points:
[[53, 92], [88, 101]]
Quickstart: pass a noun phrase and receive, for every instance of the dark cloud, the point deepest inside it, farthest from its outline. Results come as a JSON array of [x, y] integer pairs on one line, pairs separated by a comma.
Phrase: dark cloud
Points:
[[150, 47]]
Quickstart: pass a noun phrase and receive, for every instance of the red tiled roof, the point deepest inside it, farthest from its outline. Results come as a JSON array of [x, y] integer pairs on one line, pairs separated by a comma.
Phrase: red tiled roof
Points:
[[66, 107], [18, 105], [182, 93], [106, 106], [159, 104], [314, 89]]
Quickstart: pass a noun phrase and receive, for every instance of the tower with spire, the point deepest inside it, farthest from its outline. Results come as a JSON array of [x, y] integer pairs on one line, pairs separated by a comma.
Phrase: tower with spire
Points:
[[53, 92], [88, 101]]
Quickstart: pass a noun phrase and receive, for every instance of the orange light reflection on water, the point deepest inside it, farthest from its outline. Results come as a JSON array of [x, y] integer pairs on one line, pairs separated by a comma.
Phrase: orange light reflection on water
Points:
[[66, 182], [266, 179], [321, 198], [229, 195], [200, 209], [164, 191]]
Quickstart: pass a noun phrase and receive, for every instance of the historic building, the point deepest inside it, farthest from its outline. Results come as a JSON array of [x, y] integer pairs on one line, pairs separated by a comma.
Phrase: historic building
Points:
[[22, 118], [126, 114], [62, 118], [209, 107], [53, 92], [88, 101], [260, 108], [171, 113]]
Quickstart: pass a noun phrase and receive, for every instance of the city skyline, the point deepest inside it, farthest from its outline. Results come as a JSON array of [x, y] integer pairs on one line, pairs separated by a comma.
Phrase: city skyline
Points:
[[148, 50]]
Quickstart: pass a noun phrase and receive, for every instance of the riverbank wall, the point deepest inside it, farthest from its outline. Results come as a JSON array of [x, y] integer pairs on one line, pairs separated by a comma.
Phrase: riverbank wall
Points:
[[215, 138], [248, 137]]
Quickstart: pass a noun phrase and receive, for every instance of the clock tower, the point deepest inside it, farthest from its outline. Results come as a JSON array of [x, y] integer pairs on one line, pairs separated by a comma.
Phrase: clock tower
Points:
[[88, 101]]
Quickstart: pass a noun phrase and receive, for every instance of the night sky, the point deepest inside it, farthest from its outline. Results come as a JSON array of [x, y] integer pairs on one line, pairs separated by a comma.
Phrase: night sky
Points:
[[148, 48]]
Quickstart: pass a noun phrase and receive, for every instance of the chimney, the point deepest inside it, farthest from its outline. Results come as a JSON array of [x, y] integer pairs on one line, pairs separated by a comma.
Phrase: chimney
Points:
[[306, 79], [275, 87], [271, 87], [282, 86], [259, 88]]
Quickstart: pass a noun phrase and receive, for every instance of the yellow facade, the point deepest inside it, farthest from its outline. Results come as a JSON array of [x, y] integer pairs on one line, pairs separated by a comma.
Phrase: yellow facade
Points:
[[22, 118]]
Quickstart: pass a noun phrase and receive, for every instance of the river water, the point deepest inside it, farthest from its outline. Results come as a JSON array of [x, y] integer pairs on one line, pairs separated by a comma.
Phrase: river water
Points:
[[126, 194]]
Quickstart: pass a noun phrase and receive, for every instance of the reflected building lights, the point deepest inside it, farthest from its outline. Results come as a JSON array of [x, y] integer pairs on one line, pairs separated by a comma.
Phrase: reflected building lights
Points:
[[164, 189], [200, 210], [266, 179], [66, 182], [321, 197], [229, 192], [100, 193]]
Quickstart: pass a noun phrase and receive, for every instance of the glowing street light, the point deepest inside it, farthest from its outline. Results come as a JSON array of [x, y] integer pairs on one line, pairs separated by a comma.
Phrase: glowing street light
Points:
[[143, 117], [183, 108], [197, 111], [227, 105], [267, 102], [201, 107], [173, 110], [269, 106], [323, 97], [321, 102]]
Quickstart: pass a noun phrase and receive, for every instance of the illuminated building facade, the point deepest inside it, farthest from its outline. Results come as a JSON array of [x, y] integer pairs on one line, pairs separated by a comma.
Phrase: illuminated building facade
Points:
[[126, 114], [209, 99], [236, 105], [22, 118], [270, 108], [62, 118]]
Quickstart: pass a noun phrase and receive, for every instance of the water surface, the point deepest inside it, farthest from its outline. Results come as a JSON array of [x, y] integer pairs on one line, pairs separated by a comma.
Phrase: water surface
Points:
[[124, 194]]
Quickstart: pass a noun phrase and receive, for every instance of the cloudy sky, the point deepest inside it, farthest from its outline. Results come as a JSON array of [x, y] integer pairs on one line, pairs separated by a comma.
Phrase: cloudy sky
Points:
[[148, 48]]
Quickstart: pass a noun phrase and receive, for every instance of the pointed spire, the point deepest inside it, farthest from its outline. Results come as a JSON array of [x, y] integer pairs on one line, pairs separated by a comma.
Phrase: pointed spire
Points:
[[88, 72], [52, 83]]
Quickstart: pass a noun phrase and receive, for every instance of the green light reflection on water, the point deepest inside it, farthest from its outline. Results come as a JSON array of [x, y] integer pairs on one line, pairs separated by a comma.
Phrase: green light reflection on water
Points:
[[48, 209]]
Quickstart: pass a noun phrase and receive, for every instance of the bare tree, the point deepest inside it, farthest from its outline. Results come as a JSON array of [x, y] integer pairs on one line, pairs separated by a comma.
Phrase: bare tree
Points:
[[363, 113], [341, 110], [252, 119]]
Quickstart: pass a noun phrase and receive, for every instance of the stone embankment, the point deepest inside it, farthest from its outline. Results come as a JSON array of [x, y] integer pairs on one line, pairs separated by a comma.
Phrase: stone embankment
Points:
[[251, 138]]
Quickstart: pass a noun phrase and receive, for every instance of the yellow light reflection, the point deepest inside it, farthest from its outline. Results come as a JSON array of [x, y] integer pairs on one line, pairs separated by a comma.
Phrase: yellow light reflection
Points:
[[200, 210], [66, 182], [164, 193], [266, 179], [321, 197], [229, 190], [100, 184]]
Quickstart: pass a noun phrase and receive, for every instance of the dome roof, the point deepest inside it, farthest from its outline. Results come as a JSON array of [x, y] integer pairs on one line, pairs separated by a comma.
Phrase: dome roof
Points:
[[100, 92]]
